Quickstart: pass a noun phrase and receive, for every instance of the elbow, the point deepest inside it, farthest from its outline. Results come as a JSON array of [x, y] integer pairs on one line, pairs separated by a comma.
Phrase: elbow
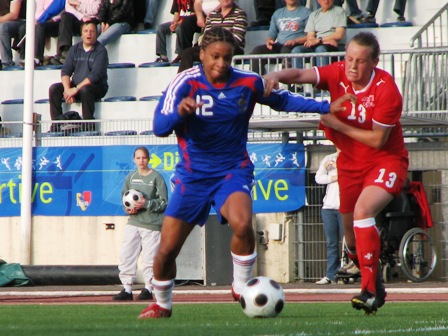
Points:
[[161, 133]]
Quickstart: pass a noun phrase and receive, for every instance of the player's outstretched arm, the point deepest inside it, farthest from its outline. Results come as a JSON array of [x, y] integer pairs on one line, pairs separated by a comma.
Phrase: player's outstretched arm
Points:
[[288, 76]]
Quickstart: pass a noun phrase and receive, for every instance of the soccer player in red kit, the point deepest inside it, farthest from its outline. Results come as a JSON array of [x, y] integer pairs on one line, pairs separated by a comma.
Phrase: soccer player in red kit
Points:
[[373, 162]]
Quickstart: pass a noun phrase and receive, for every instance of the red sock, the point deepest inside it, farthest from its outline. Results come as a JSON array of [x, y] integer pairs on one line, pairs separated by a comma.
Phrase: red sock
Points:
[[368, 246]]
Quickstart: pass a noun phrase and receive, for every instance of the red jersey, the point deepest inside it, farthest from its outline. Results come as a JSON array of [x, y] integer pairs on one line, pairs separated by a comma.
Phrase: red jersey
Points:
[[380, 102]]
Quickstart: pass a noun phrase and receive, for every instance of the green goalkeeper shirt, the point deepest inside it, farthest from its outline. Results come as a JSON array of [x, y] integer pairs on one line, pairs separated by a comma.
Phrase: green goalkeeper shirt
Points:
[[153, 188]]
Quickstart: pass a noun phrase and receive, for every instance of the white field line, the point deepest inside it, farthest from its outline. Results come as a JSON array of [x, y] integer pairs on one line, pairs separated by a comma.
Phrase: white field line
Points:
[[437, 290]]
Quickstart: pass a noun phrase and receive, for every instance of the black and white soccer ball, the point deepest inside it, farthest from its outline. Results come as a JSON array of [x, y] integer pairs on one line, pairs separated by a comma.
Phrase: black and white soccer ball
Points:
[[130, 197], [262, 297]]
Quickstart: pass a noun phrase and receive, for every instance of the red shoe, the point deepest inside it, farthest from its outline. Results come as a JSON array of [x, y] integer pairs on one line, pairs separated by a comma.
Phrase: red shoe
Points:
[[235, 296], [154, 311]]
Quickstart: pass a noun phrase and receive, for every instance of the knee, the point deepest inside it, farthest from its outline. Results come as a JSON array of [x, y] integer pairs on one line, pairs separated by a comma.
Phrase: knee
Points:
[[54, 89], [242, 228], [362, 211]]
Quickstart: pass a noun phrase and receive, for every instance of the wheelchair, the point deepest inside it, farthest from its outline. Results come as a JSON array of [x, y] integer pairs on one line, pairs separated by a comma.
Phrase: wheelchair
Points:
[[405, 244]]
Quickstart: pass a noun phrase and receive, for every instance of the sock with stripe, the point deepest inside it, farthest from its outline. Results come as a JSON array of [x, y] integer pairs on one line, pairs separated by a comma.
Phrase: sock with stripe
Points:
[[163, 292], [242, 270]]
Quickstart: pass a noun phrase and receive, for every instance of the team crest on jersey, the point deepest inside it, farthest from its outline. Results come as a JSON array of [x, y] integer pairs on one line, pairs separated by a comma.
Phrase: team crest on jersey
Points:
[[242, 103], [369, 101]]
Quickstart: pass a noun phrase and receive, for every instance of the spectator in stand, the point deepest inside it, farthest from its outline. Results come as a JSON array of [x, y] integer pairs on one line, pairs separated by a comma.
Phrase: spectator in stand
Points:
[[286, 33], [47, 16], [202, 9], [182, 10], [326, 30], [12, 15], [327, 174], [116, 18], [151, 12], [372, 7], [229, 16], [83, 75], [142, 232], [76, 13]]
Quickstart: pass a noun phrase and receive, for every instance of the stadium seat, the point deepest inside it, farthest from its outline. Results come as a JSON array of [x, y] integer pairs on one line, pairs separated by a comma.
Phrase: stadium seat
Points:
[[12, 101], [52, 134], [148, 132], [364, 25], [154, 64], [42, 101], [86, 133], [150, 98], [11, 135], [49, 67], [13, 68], [120, 65], [119, 133], [120, 99], [396, 24], [147, 31]]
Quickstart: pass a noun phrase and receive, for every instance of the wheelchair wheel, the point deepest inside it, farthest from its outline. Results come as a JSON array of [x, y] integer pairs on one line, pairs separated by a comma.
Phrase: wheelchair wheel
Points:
[[417, 255]]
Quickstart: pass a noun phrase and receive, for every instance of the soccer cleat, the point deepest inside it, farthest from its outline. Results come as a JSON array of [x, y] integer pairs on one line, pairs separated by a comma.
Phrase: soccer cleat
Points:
[[123, 296], [154, 311], [365, 301], [235, 296], [145, 294]]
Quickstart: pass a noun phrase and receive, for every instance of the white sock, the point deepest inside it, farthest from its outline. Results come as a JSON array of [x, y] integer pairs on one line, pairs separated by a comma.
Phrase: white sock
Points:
[[128, 289], [242, 270], [163, 291]]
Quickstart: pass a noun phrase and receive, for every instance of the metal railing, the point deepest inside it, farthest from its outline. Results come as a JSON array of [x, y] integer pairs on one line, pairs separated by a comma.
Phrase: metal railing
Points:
[[425, 90], [434, 33]]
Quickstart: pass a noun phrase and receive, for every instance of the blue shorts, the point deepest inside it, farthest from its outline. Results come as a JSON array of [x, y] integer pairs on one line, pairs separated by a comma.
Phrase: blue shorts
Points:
[[191, 202]]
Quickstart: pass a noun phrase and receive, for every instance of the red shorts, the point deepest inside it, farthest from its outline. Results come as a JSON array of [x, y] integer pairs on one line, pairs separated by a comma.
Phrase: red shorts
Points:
[[390, 175]]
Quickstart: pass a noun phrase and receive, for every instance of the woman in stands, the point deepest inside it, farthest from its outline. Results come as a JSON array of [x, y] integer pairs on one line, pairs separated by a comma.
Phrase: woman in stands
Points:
[[209, 107], [373, 162]]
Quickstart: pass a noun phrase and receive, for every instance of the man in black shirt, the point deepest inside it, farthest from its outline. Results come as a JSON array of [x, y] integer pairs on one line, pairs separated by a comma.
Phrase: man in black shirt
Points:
[[83, 75]]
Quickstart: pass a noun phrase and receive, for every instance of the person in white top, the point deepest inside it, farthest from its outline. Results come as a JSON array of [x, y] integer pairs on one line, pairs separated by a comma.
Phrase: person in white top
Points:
[[334, 230]]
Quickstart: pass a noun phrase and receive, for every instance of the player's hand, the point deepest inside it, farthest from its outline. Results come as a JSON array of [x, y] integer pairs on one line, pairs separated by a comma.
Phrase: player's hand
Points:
[[336, 106], [139, 204], [331, 121], [270, 83], [188, 106]]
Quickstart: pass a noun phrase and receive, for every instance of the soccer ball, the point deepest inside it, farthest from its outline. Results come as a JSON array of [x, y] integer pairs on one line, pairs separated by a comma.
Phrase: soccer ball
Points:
[[130, 197], [262, 297]]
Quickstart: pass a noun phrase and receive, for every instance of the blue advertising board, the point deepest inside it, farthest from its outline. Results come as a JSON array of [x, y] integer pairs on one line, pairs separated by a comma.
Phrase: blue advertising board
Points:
[[87, 181]]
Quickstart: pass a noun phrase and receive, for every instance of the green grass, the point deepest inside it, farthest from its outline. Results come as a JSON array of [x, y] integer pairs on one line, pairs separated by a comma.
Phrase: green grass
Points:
[[425, 319]]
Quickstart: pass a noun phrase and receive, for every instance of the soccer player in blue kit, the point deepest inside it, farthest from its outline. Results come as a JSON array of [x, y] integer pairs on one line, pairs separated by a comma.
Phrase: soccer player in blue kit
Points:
[[209, 107]]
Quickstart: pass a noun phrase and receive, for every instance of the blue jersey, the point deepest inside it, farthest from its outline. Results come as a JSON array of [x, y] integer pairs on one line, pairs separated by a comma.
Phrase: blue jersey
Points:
[[213, 141]]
